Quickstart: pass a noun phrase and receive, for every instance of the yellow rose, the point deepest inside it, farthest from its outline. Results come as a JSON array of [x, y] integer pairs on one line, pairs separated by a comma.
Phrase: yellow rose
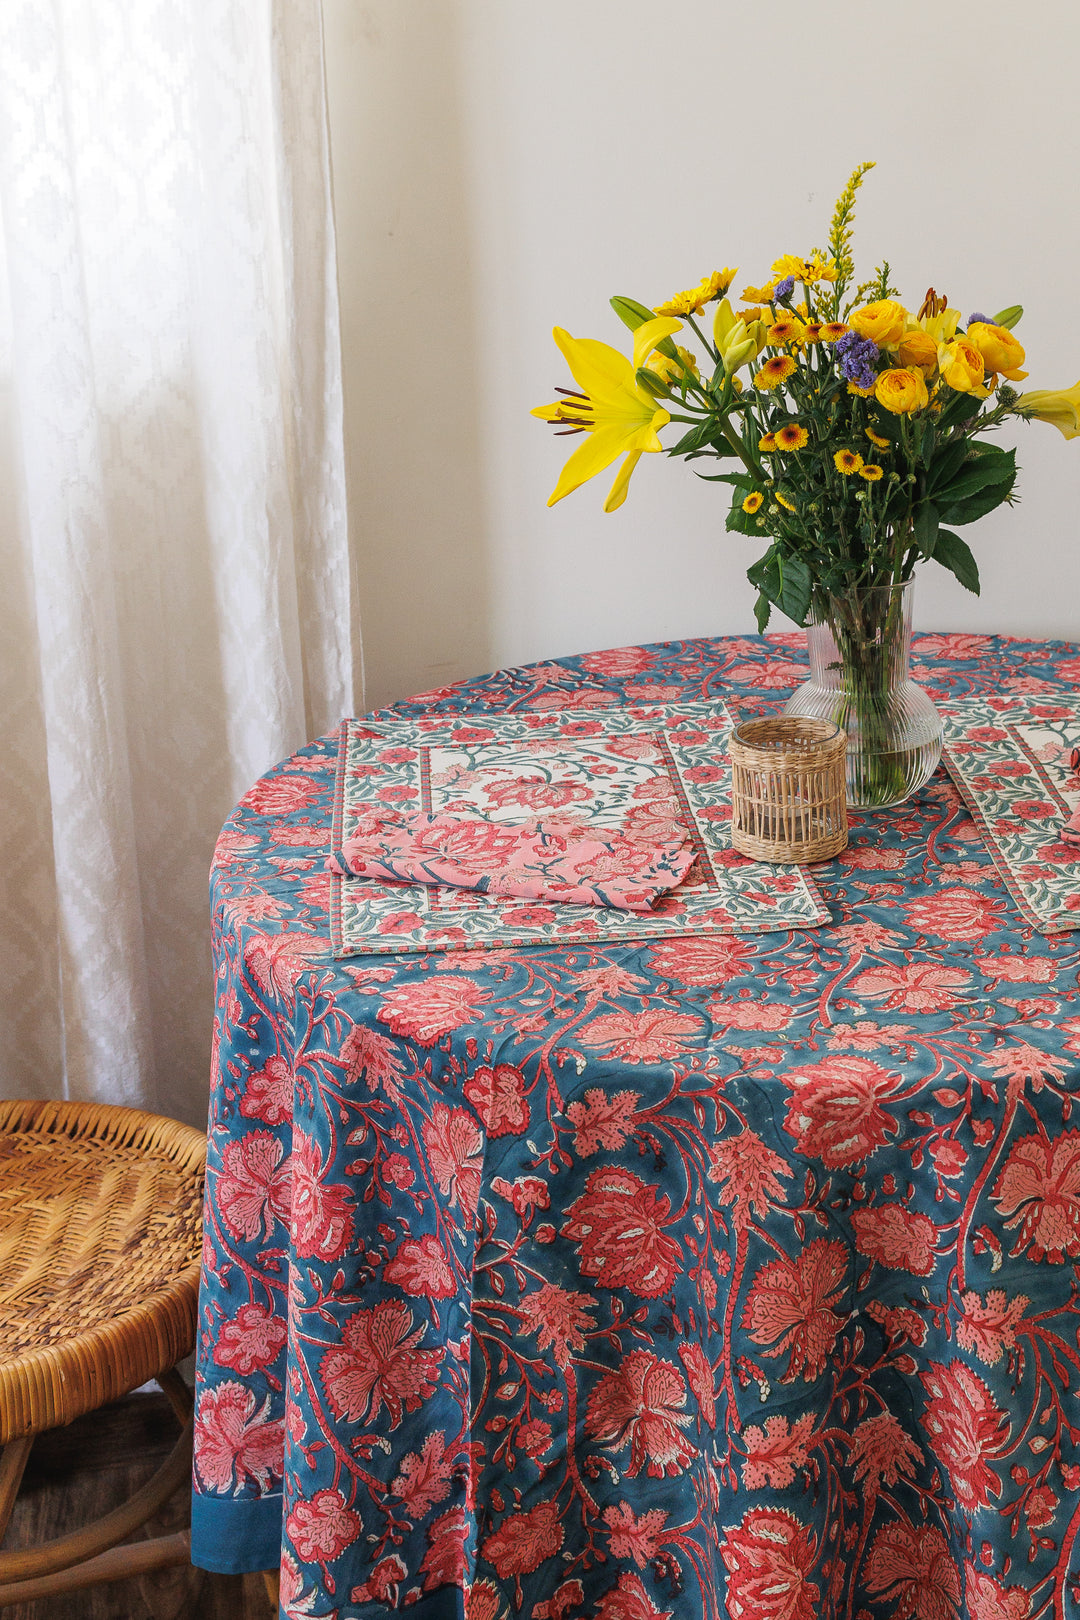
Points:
[[962, 367], [999, 349], [883, 323], [901, 390], [918, 350]]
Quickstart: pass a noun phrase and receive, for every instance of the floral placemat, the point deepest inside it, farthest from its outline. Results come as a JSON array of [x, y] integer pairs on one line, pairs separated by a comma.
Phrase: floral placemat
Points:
[[622, 770], [1009, 757]]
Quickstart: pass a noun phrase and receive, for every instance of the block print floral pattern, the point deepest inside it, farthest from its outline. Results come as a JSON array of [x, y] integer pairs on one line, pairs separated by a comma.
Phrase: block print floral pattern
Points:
[[556, 859], [688, 1277], [645, 775], [1010, 755]]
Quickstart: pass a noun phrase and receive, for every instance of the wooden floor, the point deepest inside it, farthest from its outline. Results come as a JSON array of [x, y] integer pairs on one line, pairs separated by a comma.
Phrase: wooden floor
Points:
[[78, 1473]]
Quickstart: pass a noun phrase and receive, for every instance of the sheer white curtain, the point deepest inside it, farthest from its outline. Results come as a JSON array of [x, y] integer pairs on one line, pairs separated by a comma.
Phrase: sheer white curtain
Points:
[[175, 597]]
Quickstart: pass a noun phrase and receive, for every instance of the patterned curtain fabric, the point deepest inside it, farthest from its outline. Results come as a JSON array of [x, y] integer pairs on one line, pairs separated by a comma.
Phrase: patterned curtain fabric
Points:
[[176, 608]]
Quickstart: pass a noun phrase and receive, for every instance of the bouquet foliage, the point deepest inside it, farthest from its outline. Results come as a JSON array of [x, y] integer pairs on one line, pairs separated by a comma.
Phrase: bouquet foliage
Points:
[[852, 427]]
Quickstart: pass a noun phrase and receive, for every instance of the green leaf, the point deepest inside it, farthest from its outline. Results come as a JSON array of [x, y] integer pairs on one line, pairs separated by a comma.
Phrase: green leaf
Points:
[[740, 522], [785, 581], [694, 439], [955, 555], [796, 585], [762, 611], [961, 408], [977, 505], [986, 447], [947, 463], [886, 424], [633, 315], [717, 447], [926, 528], [989, 466], [1009, 317], [765, 576], [740, 480], [927, 443]]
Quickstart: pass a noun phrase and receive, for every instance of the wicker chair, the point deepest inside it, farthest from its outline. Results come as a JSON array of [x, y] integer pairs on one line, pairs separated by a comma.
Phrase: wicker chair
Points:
[[100, 1212]]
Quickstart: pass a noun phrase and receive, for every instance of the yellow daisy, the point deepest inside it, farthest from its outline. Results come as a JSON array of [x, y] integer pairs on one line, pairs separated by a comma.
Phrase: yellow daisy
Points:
[[718, 283], [768, 443], [813, 331], [875, 438], [785, 331], [863, 393], [871, 474], [695, 298], [783, 500], [683, 303], [756, 312], [848, 462], [809, 270], [833, 330], [753, 502], [758, 295], [791, 437], [774, 372]]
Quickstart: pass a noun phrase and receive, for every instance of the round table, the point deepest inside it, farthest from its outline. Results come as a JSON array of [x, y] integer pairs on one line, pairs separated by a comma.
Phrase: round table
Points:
[[689, 1277]]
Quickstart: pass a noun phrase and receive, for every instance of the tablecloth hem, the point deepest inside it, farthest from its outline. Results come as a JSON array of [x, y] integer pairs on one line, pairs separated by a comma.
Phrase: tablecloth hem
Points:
[[448, 1603], [230, 1537]]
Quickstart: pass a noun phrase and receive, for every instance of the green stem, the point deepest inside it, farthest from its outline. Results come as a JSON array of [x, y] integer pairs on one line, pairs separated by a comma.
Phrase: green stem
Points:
[[739, 448], [868, 629], [706, 345]]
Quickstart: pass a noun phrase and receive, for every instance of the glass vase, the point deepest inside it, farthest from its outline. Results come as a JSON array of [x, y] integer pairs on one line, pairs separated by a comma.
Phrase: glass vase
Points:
[[860, 645]]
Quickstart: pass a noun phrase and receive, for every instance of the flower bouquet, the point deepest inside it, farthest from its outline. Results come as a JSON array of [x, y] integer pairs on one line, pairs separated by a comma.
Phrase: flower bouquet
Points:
[[853, 429]]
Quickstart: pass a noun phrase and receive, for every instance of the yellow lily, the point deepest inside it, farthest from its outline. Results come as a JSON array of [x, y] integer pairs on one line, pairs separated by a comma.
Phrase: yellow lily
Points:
[[736, 342], [1058, 406], [939, 324], [612, 408], [940, 327]]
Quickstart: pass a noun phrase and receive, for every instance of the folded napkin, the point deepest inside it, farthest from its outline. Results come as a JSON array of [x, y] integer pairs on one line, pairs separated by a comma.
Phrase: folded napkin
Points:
[[552, 859]]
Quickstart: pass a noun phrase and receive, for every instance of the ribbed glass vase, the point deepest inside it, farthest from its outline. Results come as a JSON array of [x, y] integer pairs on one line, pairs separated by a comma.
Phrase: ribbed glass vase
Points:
[[860, 646]]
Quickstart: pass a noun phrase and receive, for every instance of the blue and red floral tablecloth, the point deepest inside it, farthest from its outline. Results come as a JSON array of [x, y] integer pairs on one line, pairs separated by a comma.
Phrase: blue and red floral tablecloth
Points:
[[684, 1277]]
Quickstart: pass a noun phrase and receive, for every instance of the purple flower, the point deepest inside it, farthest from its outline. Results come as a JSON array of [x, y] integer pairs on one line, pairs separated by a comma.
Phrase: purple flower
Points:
[[784, 289], [985, 318], [857, 356]]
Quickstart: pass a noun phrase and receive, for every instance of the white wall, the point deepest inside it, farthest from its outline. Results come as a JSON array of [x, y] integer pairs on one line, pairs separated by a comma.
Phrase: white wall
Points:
[[502, 166]]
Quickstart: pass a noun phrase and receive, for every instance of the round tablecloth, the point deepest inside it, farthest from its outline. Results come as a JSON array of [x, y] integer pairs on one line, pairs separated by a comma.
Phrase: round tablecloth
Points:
[[696, 1277]]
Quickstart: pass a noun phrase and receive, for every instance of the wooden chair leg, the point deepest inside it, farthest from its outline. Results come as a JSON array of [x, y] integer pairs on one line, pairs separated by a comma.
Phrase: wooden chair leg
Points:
[[118, 1564], [272, 1577], [105, 1533], [180, 1397], [13, 1460], [100, 1551]]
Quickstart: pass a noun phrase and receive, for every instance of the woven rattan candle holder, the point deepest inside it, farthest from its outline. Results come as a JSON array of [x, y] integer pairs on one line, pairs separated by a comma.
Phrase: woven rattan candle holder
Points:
[[788, 789]]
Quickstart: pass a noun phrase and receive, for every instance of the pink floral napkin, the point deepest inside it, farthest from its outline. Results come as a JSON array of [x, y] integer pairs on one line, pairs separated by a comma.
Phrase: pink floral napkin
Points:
[[551, 859]]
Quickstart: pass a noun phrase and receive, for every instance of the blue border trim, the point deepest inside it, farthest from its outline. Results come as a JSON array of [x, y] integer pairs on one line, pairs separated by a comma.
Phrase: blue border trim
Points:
[[448, 1603], [234, 1537]]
